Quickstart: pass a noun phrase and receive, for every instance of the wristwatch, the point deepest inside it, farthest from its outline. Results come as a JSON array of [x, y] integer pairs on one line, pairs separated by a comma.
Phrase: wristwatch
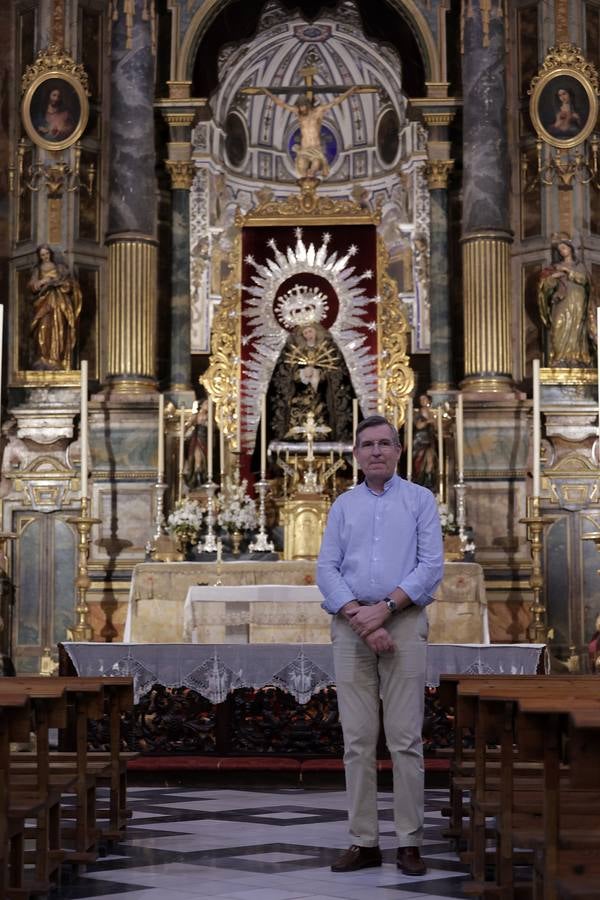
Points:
[[391, 604]]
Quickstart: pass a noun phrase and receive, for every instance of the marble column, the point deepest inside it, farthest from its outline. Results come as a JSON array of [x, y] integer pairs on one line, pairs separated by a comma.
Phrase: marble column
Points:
[[182, 174], [131, 236], [439, 298], [181, 112], [486, 233]]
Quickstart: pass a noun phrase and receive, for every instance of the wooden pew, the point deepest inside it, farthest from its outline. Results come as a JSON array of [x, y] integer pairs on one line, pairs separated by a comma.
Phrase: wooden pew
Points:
[[15, 723], [37, 798], [492, 704], [570, 838], [462, 762], [93, 698]]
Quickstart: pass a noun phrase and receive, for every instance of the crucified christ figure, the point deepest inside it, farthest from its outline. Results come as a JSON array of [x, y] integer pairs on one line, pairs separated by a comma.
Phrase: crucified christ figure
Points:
[[310, 159]]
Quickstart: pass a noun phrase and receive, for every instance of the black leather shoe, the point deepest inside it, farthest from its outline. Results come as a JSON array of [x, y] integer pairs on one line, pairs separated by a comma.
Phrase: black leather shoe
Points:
[[408, 860], [355, 858]]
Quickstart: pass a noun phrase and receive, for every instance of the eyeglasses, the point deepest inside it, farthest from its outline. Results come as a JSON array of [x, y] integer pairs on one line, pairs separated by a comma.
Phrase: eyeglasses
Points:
[[385, 444]]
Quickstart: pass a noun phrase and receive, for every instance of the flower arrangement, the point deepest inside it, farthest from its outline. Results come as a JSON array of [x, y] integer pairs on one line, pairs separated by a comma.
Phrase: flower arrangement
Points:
[[185, 522], [447, 522], [236, 509]]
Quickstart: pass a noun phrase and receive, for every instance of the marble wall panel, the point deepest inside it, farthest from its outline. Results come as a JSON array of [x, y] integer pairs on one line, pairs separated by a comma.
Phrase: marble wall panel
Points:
[[496, 441], [123, 444], [493, 511], [127, 515]]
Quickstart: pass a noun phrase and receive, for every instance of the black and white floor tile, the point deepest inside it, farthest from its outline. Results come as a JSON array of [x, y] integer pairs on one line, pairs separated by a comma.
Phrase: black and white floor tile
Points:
[[254, 844]]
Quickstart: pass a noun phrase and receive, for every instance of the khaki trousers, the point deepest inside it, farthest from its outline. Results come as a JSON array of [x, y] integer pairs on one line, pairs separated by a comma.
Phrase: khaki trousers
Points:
[[398, 678]]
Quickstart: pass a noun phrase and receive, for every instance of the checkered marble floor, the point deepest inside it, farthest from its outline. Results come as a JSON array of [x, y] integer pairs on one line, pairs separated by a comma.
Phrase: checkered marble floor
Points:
[[185, 844]]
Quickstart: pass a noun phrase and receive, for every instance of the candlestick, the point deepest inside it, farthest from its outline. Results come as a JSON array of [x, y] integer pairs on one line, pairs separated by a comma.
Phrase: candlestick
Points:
[[161, 438], [460, 454], [209, 441], [440, 436], [354, 427], [537, 441], [261, 543], [181, 453], [82, 630], [408, 438], [263, 439], [83, 427]]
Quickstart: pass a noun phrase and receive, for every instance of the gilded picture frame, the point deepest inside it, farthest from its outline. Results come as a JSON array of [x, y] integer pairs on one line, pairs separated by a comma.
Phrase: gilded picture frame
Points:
[[54, 107], [55, 110], [564, 98]]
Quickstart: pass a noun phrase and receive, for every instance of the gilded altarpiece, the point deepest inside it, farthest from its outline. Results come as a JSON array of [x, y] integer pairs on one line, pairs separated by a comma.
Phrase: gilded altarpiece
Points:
[[316, 254]]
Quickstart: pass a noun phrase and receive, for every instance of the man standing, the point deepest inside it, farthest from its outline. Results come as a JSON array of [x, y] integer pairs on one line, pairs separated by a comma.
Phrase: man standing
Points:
[[381, 560]]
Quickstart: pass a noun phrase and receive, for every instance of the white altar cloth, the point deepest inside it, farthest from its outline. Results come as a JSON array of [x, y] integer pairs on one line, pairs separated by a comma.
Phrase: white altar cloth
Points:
[[159, 594], [214, 671], [255, 614]]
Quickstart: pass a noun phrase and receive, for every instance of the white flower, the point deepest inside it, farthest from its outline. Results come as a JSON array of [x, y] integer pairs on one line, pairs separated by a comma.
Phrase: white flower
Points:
[[186, 519], [237, 510]]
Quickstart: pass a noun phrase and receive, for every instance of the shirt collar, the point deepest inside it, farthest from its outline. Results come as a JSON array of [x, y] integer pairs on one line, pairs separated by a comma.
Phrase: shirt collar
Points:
[[386, 486]]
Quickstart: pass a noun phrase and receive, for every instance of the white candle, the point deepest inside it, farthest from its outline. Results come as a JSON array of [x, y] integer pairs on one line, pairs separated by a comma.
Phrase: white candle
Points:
[[209, 441], [161, 437], [263, 438], [408, 438], [440, 435], [222, 453], [181, 452], [354, 427], [537, 429], [460, 450], [83, 427]]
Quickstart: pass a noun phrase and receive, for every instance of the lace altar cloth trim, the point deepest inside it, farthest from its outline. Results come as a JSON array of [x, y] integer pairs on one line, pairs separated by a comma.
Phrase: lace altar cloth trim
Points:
[[214, 671]]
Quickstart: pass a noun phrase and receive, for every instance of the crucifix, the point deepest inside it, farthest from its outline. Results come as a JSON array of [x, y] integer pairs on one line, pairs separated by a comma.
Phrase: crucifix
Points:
[[310, 159]]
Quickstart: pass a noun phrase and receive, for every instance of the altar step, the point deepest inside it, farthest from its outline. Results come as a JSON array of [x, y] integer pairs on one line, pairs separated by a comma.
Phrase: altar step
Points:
[[300, 769]]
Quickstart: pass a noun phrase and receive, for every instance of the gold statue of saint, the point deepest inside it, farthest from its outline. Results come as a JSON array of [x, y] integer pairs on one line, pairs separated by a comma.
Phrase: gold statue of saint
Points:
[[56, 308], [565, 308]]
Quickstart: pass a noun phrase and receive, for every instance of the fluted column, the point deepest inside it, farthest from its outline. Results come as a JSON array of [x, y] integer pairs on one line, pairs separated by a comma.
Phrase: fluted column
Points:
[[131, 238], [486, 232]]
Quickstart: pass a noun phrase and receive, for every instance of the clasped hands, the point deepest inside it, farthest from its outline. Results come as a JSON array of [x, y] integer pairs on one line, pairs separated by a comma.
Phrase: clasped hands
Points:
[[367, 623]]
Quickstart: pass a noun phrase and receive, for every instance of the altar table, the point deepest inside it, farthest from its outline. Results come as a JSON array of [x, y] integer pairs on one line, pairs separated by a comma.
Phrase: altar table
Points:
[[215, 671], [159, 591], [255, 614]]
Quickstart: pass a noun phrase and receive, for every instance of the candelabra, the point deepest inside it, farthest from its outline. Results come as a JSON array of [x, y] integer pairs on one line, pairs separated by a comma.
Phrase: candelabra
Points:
[[563, 167], [55, 177], [210, 543], [538, 629], [461, 514], [82, 631], [159, 491], [262, 544]]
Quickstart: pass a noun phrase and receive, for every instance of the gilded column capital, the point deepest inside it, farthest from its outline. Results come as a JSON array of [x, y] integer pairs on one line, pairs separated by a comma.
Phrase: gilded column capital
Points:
[[438, 118], [437, 172], [181, 173]]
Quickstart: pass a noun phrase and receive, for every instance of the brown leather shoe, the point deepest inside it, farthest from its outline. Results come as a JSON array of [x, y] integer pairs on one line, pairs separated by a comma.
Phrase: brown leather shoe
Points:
[[355, 858], [408, 860]]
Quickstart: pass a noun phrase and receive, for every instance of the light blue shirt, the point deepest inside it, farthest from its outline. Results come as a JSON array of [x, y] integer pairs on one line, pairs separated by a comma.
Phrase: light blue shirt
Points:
[[374, 543]]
